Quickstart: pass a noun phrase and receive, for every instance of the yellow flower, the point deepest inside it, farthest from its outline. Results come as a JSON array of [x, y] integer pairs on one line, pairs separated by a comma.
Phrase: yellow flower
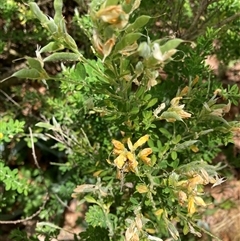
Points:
[[182, 197], [126, 159], [142, 188], [194, 148], [97, 43], [192, 200], [1, 135], [143, 155], [119, 147], [174, 112], [103, 49], [158, 55], [120, 161], [191, 205], [132, 163], [199, 201], [113, 15], [107, 47], [193, 182], [158, 212], [140, 141], [184, 91]]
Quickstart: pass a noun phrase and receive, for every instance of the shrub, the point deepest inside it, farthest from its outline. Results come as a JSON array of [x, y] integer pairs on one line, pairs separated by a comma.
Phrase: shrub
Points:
[[138, 124]]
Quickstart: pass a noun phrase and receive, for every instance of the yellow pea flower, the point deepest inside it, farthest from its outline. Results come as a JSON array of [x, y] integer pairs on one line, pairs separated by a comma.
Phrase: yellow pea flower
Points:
[[113, 15], [199, 201], [107, 47], [191, 205], [119, 147], [120, 161], [142, 188], [193, 182], [182, 197], [140, 141], [143, 155]]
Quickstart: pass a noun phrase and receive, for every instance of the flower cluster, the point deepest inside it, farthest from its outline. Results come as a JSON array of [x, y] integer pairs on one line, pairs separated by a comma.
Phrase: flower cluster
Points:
[[190, 189], [173, 113], [127, 158], [116, 18]]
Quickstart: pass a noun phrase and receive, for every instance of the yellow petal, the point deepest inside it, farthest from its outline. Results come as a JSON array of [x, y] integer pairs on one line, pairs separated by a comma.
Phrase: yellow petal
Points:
[[142, 188], [130, 156], [120, 161], [130, 145], [132, 165], [175, 101], [140, 141], [138, 222], [145, 152], [195, 81], [191, 205], [118, 145], [97, 173], [146, 160], [194, 148], [183, 114], [193, 182], [199, 201], [184, 91], [117, 151], [107, 47], [158, 212], [114, 15], [110, 14], [97, 43], [182, 197], [143, 155]]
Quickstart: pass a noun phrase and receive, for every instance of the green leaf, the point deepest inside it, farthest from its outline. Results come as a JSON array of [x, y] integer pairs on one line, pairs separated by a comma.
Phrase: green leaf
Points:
[[171, 44], [151, 103], [176, 139], [140, 91], [37, 12], [27, 74], [147, 97], [139, 23], [127, 40], [172, 229], [51, 47], [62, 56], [170, 116], [174, 155], [134, 110], [45, 125], [35, 64], [165, 132], [95, 217], [58, 5], [80, 71], [111, 2], [185, 145], [90, 199], [185, 229]]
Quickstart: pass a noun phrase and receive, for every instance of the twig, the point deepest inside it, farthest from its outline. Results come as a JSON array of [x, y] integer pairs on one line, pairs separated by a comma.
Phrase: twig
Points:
[[28, 218], [9, 98], [63, 204], [228, 20], [33, 149]]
